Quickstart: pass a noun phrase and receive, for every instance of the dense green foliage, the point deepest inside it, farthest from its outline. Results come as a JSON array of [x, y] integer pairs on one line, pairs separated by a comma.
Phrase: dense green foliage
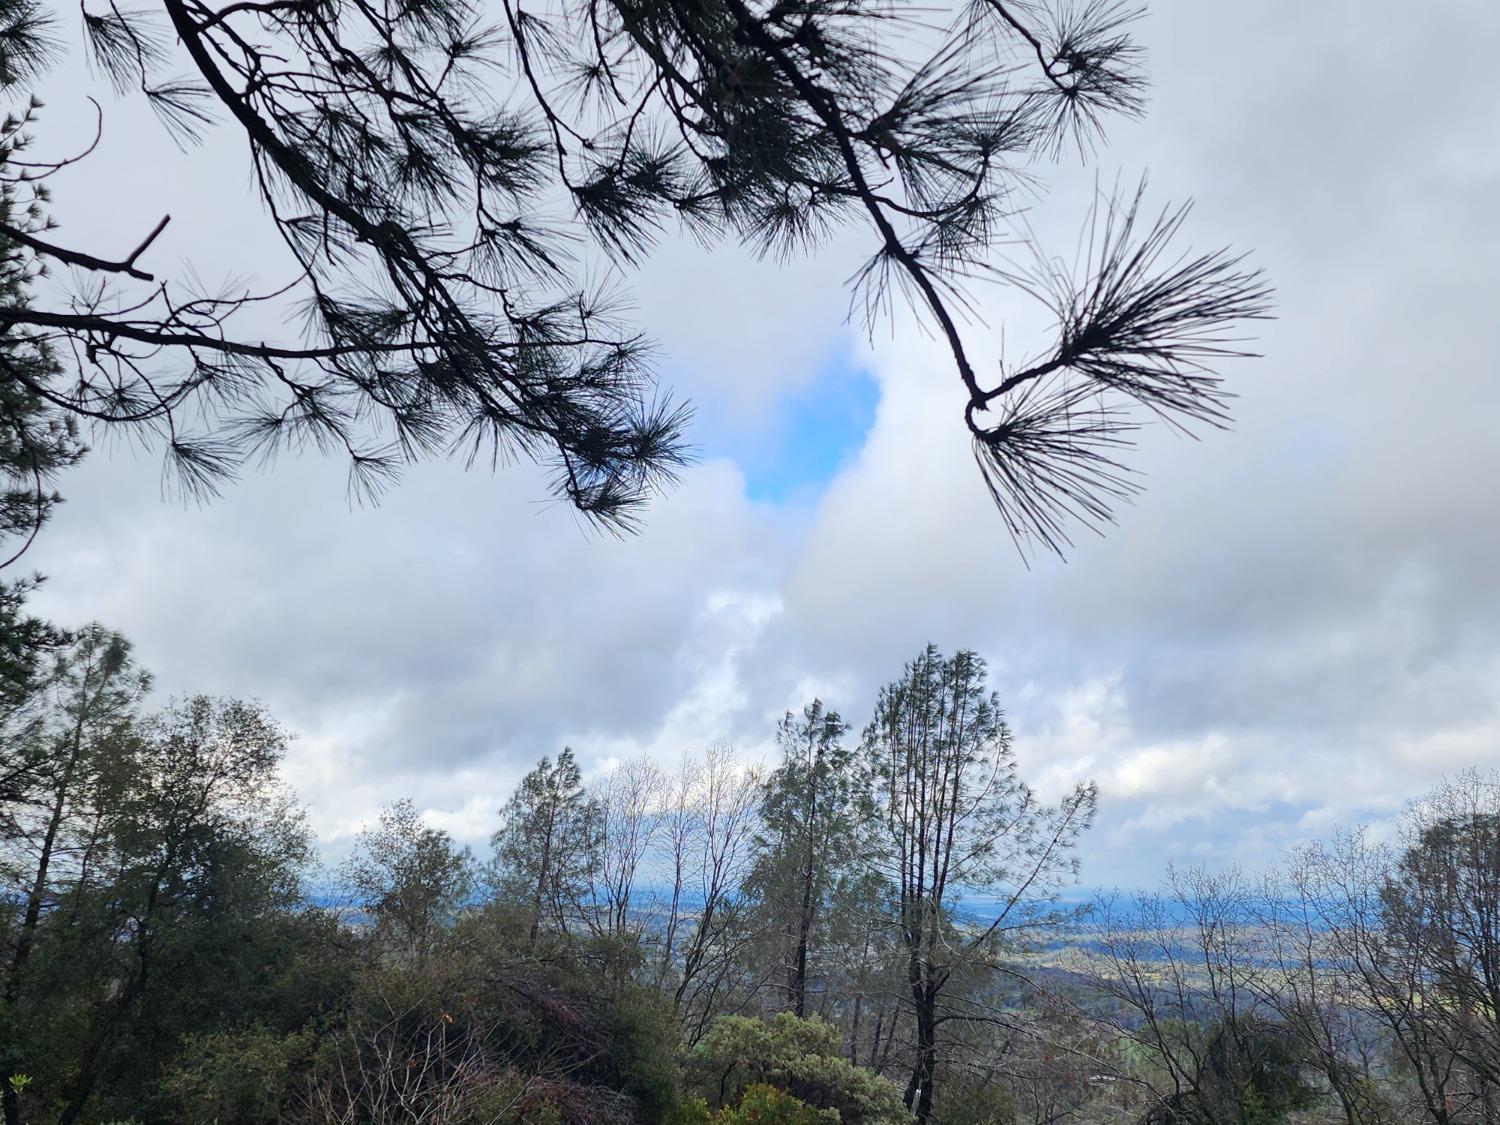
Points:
[[37, 439], [800, 1056]]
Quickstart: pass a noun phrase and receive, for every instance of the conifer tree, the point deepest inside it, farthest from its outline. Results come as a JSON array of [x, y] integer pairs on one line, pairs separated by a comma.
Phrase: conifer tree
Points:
[[810, 816], [958, 819], [38, 439], [547, 845]]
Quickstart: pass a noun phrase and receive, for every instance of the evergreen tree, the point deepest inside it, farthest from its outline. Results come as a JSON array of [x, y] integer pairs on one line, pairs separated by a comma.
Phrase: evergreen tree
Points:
[[547, 846], [50, 820], [800, 1056], [810, 815], [958, 818], [37, 438]]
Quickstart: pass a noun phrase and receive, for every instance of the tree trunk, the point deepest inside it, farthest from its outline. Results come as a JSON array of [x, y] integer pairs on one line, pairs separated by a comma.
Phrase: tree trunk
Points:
[[859, 1003], [799, 959], [809, 882], [543, 871], [26, 938], [920, 1089]]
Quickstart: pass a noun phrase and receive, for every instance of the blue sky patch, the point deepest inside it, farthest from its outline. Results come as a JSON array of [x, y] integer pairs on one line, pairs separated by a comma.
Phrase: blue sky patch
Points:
[[809, 434]]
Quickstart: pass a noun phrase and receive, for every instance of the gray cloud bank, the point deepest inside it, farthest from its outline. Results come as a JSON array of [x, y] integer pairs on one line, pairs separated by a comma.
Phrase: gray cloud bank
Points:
[[1298, 622]]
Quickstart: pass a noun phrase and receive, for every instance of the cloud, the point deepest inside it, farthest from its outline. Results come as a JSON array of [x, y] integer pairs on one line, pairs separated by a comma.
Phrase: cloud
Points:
[[1295, 626]]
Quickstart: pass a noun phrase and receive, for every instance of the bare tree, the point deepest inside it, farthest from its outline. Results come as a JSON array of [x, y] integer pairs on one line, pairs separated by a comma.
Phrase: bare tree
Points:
[[629, 802], [1181, 983], [413, 1068], [1441, 907], [708, 836], [1414, 930], [1316, 990]]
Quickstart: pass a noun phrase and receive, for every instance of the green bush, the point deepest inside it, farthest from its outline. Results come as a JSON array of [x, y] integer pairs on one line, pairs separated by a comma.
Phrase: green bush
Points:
[[759, 1104], [766, 1105], [798, 1056], [236, 1078]]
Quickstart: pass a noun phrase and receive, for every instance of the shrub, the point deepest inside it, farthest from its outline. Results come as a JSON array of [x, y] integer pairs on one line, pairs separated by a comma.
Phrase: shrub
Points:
[[798, 1056], [766, 1105], [236, 1077]]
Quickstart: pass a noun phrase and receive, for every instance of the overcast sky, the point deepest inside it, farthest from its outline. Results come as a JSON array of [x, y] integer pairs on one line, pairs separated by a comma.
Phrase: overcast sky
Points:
[[1296, 626]]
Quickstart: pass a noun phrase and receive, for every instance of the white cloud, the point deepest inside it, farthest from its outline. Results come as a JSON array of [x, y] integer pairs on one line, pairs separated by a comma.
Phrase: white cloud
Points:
[[1295, 626]]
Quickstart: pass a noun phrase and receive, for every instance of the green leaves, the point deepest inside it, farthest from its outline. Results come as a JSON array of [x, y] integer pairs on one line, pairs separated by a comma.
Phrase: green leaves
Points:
[[741, 1058], [547, 845], [410, 881]]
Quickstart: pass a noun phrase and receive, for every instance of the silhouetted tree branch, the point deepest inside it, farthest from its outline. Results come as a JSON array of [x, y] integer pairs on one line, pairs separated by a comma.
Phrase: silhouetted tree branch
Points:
[[444, 313]]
